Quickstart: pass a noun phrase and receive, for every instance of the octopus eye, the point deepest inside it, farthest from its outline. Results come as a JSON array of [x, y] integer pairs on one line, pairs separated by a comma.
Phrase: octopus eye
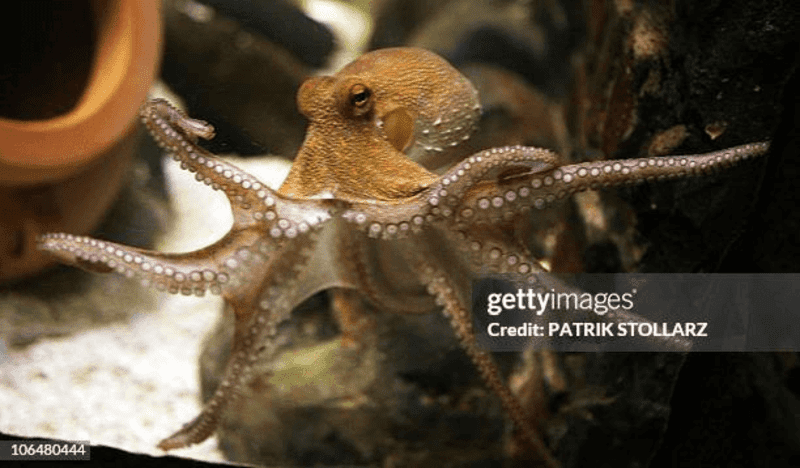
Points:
[[360, 99]]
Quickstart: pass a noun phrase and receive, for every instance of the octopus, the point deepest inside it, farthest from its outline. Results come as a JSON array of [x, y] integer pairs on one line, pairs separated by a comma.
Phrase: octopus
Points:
[[358, 215]]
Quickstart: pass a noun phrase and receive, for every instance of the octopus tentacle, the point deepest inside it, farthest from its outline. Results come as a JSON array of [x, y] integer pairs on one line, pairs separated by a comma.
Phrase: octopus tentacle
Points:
[[496, 184], [493, 249], [440, 284], [258, 310], [262, 271], [374, 284], [187, 274], [177, 133], [492, 166], [539, 189], [236, 375], [252, 202], [389, 220]]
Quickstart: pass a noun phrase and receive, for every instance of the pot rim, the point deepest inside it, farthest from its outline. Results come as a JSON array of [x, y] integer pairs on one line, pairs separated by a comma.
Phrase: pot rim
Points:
[[125, 64]]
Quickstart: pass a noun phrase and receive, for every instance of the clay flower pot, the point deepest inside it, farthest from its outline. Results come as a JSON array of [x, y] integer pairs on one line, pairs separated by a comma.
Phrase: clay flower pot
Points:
[[69, 96]]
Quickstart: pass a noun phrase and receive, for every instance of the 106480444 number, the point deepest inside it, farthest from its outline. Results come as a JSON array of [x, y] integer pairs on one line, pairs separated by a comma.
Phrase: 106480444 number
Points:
[[46, 450]]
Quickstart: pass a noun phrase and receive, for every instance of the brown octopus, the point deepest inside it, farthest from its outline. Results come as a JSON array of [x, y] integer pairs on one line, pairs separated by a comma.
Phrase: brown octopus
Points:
[[353, 188]]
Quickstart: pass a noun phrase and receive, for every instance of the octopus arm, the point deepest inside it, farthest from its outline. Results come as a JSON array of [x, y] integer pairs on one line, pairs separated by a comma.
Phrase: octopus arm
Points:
[[286, 277], [496, 250], [449, 285], [490, 202], [493, 249], [383, 276], [186, 273], [392, 219], [252, 202], [228, 267]]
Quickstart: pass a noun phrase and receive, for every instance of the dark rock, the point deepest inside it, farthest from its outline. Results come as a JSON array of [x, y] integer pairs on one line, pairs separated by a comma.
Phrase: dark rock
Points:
[[686, 80], [732, 410], [243, 83], [408, 394], [396, 20], [284, 23]]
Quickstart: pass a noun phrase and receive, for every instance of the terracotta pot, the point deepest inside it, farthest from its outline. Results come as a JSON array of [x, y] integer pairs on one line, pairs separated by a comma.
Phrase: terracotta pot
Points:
[[68, 108]]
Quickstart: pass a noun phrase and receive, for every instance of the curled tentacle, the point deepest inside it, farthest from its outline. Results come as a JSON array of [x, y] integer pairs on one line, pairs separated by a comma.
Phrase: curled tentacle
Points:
[[237, 372], [177, 133], [251, 200]]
